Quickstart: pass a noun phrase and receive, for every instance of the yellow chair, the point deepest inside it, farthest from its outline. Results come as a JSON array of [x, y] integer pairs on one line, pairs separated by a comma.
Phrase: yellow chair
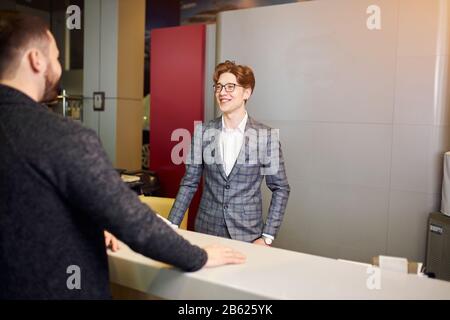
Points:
[[162, 207]]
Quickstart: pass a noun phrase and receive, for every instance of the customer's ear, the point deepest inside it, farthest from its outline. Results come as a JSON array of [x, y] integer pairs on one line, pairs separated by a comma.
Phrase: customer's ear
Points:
[[36, 60]]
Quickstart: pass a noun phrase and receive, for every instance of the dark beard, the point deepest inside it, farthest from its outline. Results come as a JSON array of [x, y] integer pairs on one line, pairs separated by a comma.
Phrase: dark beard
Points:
[[52, 88]]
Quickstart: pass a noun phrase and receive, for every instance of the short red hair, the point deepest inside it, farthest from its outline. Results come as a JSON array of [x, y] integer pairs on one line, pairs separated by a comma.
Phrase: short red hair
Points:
[[244, 74]]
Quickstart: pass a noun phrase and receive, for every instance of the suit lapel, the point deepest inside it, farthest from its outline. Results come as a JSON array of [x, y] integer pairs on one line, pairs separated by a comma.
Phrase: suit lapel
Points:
[[217, 154]]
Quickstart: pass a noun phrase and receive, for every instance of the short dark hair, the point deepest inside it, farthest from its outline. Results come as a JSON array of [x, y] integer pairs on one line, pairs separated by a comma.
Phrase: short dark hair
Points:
[[18, 32], [244, 74]]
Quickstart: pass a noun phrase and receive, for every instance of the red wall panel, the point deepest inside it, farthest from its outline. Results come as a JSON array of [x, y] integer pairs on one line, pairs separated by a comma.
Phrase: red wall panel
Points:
[[177, 99]]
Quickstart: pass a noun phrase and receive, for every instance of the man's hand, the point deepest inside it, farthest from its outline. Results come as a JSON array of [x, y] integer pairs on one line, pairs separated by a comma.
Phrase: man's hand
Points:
[[111, 242], [260, 241], [168, 222], [220, 255]]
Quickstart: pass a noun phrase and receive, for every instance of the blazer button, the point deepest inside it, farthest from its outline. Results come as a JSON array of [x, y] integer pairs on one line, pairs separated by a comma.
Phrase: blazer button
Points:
[[225, 206], [227, 186]]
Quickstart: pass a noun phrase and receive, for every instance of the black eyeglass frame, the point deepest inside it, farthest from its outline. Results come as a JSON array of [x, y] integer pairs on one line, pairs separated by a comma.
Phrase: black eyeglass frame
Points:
[[221, 86]]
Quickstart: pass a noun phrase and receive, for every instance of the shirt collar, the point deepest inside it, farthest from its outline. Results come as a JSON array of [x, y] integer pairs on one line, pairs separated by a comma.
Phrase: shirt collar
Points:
[[240, 127]]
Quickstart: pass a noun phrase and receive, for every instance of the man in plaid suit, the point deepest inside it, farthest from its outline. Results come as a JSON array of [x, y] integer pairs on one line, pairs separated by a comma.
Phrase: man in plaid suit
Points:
[[234, 153]]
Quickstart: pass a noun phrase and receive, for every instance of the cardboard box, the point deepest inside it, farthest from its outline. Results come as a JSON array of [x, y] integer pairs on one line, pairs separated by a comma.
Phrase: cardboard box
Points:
[[412, 266]]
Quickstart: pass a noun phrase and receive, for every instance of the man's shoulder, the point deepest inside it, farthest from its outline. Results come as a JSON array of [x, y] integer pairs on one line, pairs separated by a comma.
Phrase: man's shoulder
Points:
[[71, 127], [37, 126], [73, 137], [217, 124], [214, 123], [255, 124], [61, 128], [210, 125]]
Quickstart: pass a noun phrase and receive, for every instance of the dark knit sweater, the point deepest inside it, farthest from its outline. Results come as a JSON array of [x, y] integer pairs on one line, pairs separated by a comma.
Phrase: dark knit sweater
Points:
[[58, 192]]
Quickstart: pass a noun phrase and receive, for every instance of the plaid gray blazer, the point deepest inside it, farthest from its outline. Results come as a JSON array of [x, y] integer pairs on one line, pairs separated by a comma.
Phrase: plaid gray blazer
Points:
[[231, 206]]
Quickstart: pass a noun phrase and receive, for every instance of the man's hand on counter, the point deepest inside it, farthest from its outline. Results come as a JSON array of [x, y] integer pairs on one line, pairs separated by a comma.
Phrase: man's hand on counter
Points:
[[111, 242], [220, 255], [260, 241]]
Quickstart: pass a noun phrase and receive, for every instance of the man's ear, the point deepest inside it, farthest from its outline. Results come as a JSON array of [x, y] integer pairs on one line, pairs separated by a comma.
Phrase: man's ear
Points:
[[36, 60], [247, 93]]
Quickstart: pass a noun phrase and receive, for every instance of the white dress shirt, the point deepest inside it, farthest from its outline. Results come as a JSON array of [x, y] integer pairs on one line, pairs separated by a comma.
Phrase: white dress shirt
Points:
[[231, 141]]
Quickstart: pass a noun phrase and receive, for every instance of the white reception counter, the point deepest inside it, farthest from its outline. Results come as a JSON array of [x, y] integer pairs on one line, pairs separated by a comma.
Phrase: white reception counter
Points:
[[269, 273]]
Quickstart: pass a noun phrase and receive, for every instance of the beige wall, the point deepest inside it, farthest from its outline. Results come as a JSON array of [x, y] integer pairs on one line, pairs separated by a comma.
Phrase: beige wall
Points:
[[114, 63], [130, 81], [364, 117]]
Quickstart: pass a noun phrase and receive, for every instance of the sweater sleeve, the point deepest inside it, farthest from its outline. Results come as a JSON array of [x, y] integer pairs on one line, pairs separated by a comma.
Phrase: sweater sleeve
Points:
[[83, 174]]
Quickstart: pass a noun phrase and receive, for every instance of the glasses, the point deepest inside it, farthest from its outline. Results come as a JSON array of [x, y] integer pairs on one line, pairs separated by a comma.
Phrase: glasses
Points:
[[229, 87]]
